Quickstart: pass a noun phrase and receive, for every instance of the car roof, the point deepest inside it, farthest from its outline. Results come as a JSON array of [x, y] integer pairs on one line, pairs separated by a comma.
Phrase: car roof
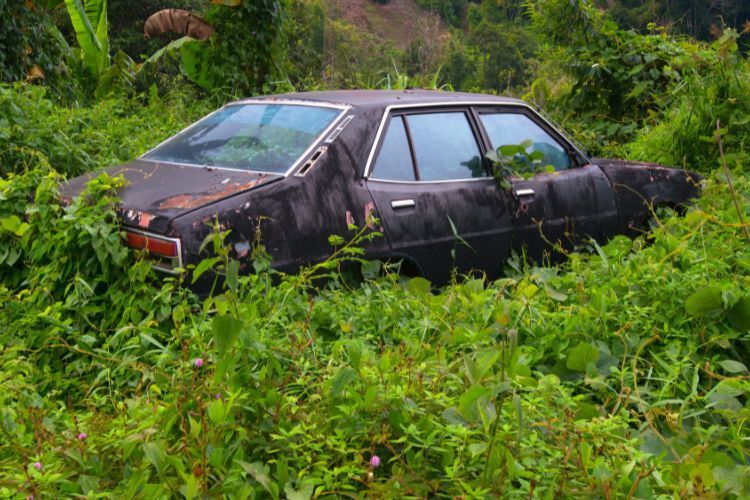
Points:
[[385, 98]]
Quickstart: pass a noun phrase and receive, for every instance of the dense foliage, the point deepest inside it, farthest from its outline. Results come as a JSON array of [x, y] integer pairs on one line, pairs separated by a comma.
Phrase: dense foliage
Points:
[[621, 373]]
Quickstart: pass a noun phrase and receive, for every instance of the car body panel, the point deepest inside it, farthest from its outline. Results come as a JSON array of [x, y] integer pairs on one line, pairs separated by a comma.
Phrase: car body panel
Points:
[[639, 187]]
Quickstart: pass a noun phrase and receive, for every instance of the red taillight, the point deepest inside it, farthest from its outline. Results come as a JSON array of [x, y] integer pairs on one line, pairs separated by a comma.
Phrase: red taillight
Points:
[[154, 245]]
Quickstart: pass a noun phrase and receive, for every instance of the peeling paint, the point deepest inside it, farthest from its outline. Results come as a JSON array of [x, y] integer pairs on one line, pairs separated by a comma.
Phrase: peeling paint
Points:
[[189, 201], [144, 220]]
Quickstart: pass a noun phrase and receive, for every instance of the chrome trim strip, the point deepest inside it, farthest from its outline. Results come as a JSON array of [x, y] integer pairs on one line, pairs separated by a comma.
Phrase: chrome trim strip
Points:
[[299, 102], [345, 108], [524, 192], [390, 108], [446, 181], [155, 236], [403, 203]]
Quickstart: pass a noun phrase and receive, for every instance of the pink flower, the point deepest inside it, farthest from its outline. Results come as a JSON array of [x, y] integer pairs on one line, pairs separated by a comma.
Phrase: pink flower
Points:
[[82, 436], [38, 465], [198, 362], [375, 461]]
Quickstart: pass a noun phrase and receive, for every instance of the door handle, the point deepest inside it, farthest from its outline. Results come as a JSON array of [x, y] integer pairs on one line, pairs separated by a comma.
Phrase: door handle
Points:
[[524, 192], [403, 203]]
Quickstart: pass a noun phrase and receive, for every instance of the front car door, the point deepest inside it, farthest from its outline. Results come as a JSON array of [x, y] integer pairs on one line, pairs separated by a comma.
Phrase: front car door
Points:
[[439, 207], [561, 207]]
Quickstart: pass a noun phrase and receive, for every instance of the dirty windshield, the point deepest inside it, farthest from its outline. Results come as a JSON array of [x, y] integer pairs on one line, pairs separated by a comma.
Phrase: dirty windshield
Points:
[[259, 137]]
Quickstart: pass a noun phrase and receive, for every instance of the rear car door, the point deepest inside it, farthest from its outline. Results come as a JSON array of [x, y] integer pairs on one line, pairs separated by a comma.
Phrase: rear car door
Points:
[[561, 207], [437, 203]]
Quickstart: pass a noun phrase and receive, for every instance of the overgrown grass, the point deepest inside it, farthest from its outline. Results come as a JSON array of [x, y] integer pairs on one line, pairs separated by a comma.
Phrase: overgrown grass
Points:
[[77, 138], [619, 374]]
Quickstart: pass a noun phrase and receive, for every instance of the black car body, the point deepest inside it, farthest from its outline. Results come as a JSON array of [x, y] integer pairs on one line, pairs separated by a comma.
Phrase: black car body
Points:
[[413, 159]]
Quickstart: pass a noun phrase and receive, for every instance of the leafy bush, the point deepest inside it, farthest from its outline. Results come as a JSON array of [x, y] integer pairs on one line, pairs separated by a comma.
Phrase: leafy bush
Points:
[[77, 139], [29, 44]]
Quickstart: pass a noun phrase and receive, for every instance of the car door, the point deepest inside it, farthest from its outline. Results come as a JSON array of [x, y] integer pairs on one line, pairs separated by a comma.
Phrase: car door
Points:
[[568, 203], [437, 203]]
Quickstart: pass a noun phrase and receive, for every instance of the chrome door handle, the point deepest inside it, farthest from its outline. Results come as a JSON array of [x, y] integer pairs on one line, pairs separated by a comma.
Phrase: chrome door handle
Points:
[[524, 192], [403, 203]]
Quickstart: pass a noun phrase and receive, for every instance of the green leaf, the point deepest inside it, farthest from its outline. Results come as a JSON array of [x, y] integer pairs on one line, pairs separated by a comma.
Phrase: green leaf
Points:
[[216, 411], [233, 272], [704, 301], [154, 453], [467, 402], [259, 472], [90, 25], [580, 357], [510, 149], [343, 378], [739, 314], [204, 266], [419, 286], [225, 330], [731, 366], [304, 492]]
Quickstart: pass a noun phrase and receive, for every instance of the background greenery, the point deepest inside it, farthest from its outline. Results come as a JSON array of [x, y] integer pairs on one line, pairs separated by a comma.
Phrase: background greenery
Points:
[[621, 373]]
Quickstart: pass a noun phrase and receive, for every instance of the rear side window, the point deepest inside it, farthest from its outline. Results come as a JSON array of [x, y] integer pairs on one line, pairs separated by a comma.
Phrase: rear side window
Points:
[[444, 146], [513, 129], [394, 160]]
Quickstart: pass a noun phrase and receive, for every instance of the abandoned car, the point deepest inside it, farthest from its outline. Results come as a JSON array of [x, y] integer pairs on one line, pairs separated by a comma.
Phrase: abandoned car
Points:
[[430, 167]]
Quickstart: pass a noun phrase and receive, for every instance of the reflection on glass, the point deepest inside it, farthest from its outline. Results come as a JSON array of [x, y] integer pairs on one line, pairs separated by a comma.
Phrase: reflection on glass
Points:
[[260, 137], [514, 128], [394, 160], [444, 146]]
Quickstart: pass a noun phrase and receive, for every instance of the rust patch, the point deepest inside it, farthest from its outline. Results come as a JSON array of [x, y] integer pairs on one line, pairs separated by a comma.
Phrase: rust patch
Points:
[[188, 201], [145, 219], [369, 211]]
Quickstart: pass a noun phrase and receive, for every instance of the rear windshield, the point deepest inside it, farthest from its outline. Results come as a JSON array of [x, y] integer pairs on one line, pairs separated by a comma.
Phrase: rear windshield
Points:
[[258, 137]]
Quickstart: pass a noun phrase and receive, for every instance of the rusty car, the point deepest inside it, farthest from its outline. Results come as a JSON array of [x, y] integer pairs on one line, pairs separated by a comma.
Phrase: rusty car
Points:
[[300, 167]]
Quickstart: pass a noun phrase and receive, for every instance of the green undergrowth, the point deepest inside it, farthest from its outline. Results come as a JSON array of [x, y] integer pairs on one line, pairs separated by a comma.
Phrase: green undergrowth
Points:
[[79, 137], [622, 373]]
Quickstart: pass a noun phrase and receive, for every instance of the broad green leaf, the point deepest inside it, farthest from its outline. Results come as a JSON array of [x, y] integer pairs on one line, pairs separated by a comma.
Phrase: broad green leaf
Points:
[[258, 471], [581, 356], [467, 401], [419, 286], [154, 452], [343, 378], [216, 411], [739, 314], [304, 492], [510, 150], [731, 366], [204, 266], [225, 330], [704, 301]]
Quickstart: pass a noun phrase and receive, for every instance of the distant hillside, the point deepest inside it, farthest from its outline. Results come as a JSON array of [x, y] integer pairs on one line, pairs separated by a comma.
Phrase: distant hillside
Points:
[[399, 21]]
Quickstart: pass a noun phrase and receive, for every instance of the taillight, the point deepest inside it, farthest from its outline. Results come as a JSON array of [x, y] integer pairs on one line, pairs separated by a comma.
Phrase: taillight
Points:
[[165, 252]]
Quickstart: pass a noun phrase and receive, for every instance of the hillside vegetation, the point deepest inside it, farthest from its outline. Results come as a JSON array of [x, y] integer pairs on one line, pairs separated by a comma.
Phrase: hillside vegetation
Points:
[[622, 373]]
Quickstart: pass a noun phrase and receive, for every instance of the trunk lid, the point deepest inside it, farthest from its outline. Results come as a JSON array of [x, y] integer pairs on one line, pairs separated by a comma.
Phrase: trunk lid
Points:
[[157, 193]]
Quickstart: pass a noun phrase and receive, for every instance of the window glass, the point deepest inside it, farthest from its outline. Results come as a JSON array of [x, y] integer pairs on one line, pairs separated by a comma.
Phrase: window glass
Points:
[[505, 129], [394, 159], [261, 137], [444, 146]]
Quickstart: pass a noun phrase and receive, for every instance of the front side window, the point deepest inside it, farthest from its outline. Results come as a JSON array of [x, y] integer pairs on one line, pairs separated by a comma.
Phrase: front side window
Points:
[[259, 137], [514, 129], [444, 146]]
